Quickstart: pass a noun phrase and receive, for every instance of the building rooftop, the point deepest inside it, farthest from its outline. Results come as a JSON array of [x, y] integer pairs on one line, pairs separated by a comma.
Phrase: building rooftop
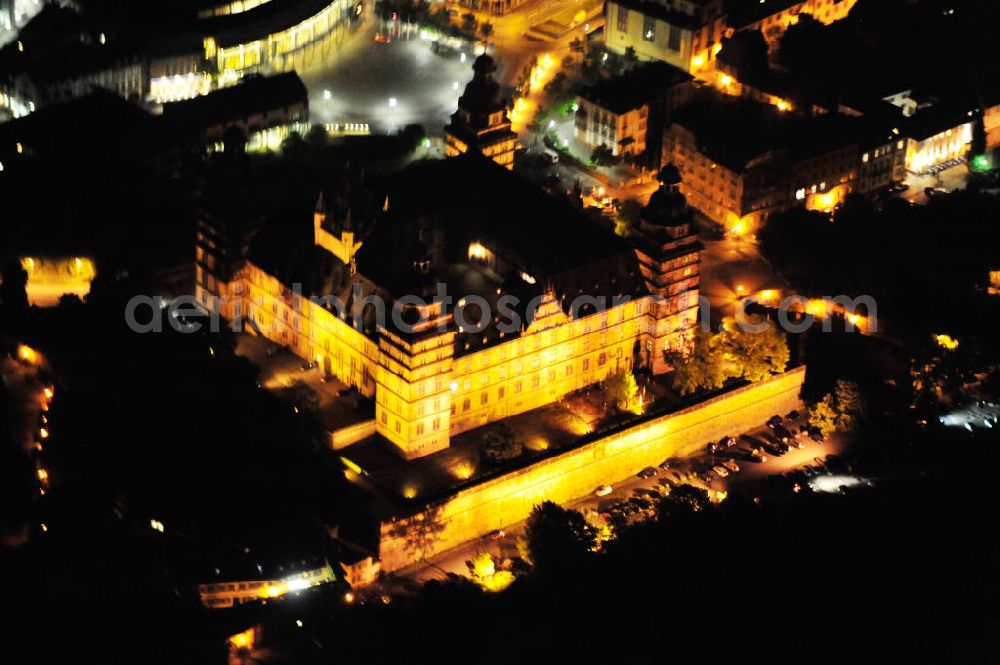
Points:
[[638, 86], [745, 12], [734, 133], [261, 21], [254, 95]]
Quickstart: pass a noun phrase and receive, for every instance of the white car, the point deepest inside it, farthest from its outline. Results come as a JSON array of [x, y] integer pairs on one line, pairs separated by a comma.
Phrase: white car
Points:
[[603, 490]]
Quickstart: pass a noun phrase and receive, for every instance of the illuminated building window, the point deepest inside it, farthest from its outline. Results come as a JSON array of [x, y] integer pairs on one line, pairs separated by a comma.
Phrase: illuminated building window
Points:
[[569, 370], [484, 398], [466, 405], [436, 424], [586, 364], [648, 28], [501, 392], [601, 359], [535, 381], [517, 387], [385, 418], [420, 429]]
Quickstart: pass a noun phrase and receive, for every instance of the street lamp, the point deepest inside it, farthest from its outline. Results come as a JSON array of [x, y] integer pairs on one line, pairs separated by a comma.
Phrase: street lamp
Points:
[[327, 95], [392, 102]]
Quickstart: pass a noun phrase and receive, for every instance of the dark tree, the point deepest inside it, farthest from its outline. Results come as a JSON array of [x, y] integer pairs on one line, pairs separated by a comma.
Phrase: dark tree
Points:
[[13, 296], [555, 537]]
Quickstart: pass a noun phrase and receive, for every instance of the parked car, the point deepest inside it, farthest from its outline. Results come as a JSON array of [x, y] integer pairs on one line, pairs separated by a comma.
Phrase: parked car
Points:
[[713, 448], [497, 534], [731, 465], [778, 448], [550, 157], [667, 464], [774, 421], [816, 435], [648, 472], [727, 441], [603, 490], [782, 434], [757, 455], [720, 470]]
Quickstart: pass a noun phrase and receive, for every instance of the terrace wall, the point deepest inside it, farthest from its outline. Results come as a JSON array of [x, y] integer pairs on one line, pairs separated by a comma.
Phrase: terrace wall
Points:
[[499, 502]]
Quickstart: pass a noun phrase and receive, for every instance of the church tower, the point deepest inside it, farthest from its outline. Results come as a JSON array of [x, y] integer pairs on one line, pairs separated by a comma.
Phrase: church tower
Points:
[[669, 254], [481, 124]]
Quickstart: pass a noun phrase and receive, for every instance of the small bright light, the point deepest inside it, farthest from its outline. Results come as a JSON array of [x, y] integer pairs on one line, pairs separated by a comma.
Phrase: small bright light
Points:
[[348, 597], [327, 95], [298, 622], [454, 85], [102, 38], [392, 102], [462, 57], [297, 585]]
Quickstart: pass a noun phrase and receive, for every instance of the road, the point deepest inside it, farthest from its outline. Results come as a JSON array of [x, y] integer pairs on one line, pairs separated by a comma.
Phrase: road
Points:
[[28, 401], [733, 268]]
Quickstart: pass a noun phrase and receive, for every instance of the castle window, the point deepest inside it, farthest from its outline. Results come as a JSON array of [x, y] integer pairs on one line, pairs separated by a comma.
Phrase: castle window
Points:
[[534, 381], [586, 364], [484, 398], [674, 39], [466, 404], [385, 418], [501, 392], [648, 28], [622, 19], [517, 387], [436, 425], [420, 429], [569, 370]]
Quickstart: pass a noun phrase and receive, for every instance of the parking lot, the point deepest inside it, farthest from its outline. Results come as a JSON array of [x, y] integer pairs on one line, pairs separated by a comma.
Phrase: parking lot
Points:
[[755, 465], [804, 462]]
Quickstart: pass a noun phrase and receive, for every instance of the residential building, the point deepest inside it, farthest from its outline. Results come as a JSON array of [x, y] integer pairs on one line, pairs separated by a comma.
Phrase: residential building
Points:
[[627, 113], [664, 30], [772, 17], [742, 161]]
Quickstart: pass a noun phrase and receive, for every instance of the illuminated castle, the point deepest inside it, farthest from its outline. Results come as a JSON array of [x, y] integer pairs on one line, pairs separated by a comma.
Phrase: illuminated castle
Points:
[[481, 124], [498, 243]]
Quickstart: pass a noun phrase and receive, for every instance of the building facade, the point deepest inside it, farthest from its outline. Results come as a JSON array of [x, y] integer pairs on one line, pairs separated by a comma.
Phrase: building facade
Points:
[[627, 113], [688, 33], [589, 304]]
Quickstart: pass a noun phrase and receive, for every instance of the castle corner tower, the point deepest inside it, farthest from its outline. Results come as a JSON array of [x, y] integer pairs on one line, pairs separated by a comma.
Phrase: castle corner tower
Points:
[[481, 124]]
